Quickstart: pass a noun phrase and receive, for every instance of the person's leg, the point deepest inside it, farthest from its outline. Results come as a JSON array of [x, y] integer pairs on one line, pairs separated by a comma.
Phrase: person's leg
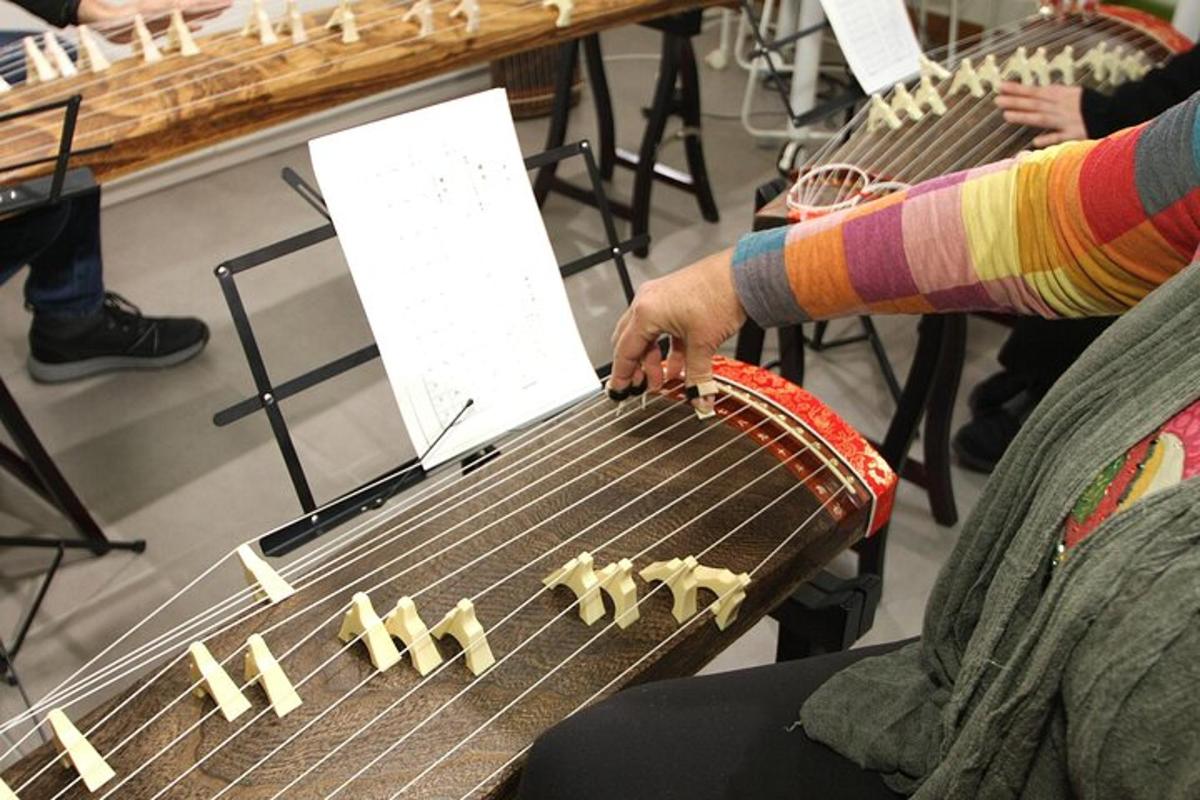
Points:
[[1034, 357], [79, 328], [66, 277], [719, 737]]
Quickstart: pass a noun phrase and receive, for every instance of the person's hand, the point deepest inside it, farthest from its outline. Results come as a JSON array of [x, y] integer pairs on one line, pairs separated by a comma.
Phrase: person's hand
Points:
[[1056, 109], [697, 307], [115, 21]]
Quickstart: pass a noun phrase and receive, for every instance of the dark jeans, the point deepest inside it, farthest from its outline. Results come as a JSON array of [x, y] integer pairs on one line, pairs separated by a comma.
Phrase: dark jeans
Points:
[[719, 737], [61, 245], [1041, 350]]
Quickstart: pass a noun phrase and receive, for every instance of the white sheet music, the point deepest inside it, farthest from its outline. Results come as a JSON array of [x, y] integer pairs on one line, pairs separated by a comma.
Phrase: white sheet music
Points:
[[451, 259], [877, 39]]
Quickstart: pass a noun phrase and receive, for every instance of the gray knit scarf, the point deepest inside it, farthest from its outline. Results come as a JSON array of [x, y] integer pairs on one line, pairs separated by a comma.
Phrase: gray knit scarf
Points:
[[1036, 682]]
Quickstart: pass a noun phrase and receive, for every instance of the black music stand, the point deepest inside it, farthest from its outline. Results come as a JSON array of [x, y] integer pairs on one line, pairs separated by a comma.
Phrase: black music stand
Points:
[[268, 395], [29, 462]]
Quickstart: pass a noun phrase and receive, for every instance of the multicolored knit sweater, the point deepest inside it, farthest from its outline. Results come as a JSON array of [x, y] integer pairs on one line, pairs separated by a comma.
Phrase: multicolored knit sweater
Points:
[[1098, 226]]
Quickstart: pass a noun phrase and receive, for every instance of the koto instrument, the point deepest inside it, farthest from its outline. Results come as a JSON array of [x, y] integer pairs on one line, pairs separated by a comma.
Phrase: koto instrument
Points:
[[420, 654], [946, 120], [179, 92]]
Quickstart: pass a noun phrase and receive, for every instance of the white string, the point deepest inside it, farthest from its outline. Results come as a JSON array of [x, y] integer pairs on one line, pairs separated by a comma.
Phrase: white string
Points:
[[495, 627], [684, 626], [323, 65], [140, 656], [453, 479], [452, 546], [382, 567], [569, 658]]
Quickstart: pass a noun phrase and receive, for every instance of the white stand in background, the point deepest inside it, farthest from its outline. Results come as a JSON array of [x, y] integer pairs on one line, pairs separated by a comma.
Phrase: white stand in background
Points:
[[1187, 18]]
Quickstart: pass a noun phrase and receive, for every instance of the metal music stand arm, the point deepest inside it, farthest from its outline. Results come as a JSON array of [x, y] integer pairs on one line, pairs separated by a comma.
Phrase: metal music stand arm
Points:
[[319, 518]]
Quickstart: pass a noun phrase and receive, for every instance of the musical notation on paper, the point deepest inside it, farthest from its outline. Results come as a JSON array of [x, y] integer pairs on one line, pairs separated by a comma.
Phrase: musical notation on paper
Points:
[[455, 271], [877, 38]]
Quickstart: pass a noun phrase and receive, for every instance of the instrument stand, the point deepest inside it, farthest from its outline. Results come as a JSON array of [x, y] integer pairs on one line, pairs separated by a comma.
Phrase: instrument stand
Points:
[[677, 66], [319, 519], [29, 463]]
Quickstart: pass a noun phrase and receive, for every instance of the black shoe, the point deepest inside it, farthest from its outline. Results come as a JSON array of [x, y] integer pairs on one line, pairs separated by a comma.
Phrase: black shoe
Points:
[[994, 391], [116, 337]]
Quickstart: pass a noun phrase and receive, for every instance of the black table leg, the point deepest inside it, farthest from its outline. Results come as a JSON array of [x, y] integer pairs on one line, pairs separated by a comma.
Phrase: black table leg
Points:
[[602, 100], [689, 86], [938, 419], [656, 124], [559, 117]]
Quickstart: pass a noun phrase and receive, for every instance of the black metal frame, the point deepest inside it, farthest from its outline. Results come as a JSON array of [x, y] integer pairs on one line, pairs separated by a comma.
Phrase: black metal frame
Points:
[[767, 48], [41, 192], [676, 67], [269, 395], [27, 460]]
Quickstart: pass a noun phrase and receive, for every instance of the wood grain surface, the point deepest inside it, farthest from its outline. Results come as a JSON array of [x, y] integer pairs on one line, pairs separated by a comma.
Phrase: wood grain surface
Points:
[[651, 484], [150, 113]]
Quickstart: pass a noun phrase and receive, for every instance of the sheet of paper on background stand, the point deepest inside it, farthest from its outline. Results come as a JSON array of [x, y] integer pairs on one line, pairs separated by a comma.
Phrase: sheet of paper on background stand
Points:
[[464, 298], [877, 39], [7, 793], [77, 751]]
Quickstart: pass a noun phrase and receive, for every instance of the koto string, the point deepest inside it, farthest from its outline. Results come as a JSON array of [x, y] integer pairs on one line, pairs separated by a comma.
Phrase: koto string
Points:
[[392, 514], [988, 149], [874, 144], [991, 125], [380, 568], [860, 116], [585, 645], [324, 65], [284, 45], [888, 140], [529, 435], [14, 51], [521, 607], [684, 626], [940, 125], [600, 633], [493, 628], [882, 149], [341, 609]]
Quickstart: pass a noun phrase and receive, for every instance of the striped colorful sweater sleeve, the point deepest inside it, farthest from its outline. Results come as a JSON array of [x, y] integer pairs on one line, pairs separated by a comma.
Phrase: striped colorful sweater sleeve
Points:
[[1081, 229]]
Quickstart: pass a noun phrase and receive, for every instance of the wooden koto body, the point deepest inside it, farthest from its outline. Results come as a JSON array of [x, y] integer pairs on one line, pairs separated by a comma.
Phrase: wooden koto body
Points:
[[150, 113], [773, 487]]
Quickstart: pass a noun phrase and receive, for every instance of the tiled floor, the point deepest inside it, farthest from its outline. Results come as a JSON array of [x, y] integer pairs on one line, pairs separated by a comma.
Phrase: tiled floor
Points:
[[143, 452]]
